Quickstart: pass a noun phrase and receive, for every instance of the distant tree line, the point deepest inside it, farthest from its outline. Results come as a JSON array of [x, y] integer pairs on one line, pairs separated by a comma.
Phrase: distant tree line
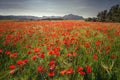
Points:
[[111, 15]]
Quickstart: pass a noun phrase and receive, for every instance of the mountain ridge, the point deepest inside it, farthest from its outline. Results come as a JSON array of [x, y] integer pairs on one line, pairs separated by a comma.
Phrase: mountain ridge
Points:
[[20, 17]]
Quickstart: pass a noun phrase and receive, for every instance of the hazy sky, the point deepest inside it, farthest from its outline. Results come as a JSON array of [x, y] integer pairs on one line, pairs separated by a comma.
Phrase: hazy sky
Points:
[[85, 8]]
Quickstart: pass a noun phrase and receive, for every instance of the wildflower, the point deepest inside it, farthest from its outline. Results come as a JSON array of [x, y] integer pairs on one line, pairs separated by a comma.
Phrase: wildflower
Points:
[[52, 62], [63, 72], [82, 73], [25, 61], [51, 44], [100, 50], [40, 68], [112, 56], [14, 55], [74, 54], [42, 55], [52, 67], [0, 35], [57, 53], [51, 74], [36, 50], [20, 63], [98, 43], [51, 52], [107, 47], [111, 41], [7, 52], [87, 45], [34, 57], [0, 50], [12, 71], [79, 69], [12, 66], [95, 56], [28, 46], [69, 55], [107, 52], [29, 52], [88, 68], [69, 71]]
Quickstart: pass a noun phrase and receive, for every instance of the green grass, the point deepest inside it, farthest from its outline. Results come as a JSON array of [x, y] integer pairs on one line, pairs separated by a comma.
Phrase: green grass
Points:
[[70, 37]]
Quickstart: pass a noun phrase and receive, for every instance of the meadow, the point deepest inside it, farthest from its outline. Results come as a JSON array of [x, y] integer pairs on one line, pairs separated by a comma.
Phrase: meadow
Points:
[[59, 50]]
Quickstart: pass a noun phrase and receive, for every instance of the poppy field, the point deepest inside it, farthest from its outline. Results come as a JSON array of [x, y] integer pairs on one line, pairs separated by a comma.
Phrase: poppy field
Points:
[[59, 50]]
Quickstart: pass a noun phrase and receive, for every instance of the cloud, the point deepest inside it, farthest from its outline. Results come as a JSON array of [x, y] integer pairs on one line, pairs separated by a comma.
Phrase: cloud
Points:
[[55, 7]]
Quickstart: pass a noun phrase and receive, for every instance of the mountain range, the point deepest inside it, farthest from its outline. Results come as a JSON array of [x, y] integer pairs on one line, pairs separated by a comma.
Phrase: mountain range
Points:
[[65, 17]]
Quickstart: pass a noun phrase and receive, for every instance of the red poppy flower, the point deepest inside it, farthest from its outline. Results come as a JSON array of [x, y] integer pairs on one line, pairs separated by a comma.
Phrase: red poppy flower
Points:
[[12, 71], [95, 56], [51, 62], [88, 68], [98, 43], [25, 61], [40, 68], [14, 55], [20, 63], [52, 67], [107, 47], [0, 50], [107, 52], [63, 72], [74, 54], [87, 45], [57, 53], [29, 52], [0, 35], [12, 66], [111, 41], [42, 55], [36, 50], [7, 52], [112, 56], [79, 69], [28, 46], [34, 57], [51, 52], [82, 73], [69, 55], [100, 51], [51, 74], [69, 71]]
